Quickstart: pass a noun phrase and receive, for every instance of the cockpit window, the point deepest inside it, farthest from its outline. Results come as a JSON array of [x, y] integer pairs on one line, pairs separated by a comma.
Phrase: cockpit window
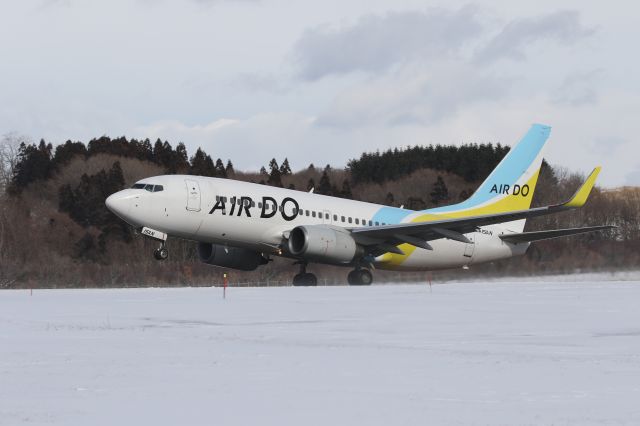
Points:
[[148, 187]]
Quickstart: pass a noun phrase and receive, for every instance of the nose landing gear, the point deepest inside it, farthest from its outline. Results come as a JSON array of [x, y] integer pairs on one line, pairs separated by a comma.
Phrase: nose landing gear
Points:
[[161, 253]]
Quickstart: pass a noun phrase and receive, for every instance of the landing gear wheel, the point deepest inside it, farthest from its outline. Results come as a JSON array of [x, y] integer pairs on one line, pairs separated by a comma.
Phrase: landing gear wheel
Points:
[[360, 277], [366, 278], [161, 253], [305, 279]]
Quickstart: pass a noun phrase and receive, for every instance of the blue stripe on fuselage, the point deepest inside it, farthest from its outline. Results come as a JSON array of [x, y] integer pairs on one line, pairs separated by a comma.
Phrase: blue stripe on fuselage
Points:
[[391, 215]]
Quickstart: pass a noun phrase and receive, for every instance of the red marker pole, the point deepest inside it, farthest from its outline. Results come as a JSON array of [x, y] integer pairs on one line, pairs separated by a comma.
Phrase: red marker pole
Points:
[[224, 286]]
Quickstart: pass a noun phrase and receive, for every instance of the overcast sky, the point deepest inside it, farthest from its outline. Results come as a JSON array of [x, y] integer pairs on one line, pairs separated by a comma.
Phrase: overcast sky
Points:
[[321, 82]]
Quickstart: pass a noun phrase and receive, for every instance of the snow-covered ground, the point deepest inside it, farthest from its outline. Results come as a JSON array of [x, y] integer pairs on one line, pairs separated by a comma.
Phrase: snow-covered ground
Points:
[[501, 353]]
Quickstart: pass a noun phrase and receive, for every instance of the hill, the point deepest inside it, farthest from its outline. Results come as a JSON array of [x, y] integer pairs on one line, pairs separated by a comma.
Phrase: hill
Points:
[[56, 231]]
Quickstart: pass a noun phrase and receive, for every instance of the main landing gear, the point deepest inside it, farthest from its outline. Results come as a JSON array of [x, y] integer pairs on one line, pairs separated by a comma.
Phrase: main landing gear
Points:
[[304, 278], [360, 276], [161, 253]]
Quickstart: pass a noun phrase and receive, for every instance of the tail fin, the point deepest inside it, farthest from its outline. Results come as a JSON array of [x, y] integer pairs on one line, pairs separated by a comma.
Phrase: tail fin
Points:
[[512, 183]]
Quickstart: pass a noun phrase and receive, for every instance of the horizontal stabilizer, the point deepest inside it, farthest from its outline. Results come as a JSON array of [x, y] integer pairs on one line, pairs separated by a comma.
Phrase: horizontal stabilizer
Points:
[[526, 237]]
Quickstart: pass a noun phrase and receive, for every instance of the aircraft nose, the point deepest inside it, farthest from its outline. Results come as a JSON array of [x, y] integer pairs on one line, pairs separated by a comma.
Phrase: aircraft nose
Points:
[[118, 203]]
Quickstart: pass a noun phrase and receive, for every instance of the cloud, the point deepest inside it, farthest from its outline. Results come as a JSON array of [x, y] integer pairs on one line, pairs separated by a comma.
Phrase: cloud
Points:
[[564, 27], [608, 145], [415, 95], [256, 82], [376, 43], [578, 89]]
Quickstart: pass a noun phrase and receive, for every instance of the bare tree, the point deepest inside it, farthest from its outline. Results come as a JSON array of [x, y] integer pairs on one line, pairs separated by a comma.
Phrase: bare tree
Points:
[[9, 146]]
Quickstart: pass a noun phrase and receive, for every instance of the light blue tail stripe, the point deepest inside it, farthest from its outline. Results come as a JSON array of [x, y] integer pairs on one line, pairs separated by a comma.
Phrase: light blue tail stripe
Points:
[[514, 164]]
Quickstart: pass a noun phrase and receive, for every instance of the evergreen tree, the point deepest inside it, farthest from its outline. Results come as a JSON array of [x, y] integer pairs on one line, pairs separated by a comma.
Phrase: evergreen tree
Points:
[[158, 152], [345, 192], [416, 203], [202, 165], [388, 200], [324, 187], [34, 163], [181, 154], [229, 168], [263, 171], [85, 248], [274, 176], [285, 170], [85, 202], [65, 152], [115, 178], [220, 170], [440, 192], [311, 185]]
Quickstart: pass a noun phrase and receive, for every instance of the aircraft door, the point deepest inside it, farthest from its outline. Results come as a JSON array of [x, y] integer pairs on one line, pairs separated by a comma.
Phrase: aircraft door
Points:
[[193, 195], [470, 248]]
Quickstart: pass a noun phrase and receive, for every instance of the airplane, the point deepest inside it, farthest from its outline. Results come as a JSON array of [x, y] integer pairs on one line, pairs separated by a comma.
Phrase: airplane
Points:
[[242, 225]]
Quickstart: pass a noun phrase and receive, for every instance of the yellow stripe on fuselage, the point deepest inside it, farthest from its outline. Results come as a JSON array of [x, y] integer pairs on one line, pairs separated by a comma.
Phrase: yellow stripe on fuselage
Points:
[[503, 205]]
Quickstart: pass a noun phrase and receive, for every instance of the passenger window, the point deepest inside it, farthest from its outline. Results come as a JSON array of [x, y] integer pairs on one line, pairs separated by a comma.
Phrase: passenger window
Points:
[[326, 215], [335, 217], [313, 213], [342, 218], [306, 212], [357, 221], [350, 220], [377, 223], [260, 205], [370, 223]]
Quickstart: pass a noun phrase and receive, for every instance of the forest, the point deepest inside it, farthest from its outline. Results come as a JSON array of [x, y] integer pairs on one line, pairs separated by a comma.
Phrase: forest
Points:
[[55, 230]]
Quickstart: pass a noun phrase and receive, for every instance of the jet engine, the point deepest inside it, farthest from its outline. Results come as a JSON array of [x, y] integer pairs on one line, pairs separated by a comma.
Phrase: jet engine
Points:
[[323, 243], [230, 257]]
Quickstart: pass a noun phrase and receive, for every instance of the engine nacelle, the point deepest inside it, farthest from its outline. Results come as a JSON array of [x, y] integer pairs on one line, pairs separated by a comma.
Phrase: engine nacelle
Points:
[[230, 257], [322, 243]]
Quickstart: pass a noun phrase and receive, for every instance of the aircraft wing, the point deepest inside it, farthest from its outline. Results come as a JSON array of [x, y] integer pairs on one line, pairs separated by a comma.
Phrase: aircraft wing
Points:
[[385, 238], [526, 237]]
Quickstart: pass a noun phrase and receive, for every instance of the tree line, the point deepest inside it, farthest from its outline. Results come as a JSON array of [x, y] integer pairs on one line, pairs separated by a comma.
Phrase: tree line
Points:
[[55, 229], [470, 161]]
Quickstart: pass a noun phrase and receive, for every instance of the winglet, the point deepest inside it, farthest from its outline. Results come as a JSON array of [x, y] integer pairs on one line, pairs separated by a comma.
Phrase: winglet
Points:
[[581, 195]]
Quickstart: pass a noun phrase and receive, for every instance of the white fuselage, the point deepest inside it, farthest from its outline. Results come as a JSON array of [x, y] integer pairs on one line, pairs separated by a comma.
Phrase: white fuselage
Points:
[[191, 207]]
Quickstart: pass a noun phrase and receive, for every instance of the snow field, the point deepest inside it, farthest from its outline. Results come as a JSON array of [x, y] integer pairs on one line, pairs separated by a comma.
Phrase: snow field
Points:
[[500, 353]]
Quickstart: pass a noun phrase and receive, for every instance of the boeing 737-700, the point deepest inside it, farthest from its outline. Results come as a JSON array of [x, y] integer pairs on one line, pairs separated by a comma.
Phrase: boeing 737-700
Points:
[[243, 225]]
